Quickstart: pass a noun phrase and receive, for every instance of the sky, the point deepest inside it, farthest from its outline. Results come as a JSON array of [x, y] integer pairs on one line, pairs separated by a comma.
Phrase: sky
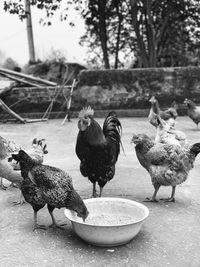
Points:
[[58, 37]]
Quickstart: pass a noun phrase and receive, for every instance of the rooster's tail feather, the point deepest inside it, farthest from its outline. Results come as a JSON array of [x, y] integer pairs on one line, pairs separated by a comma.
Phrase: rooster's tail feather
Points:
[[112, 127]]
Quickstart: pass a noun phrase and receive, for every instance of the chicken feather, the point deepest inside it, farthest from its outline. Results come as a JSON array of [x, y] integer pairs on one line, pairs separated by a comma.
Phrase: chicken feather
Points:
[[193, 111], [43, 184], [168, 165], [98, 148]]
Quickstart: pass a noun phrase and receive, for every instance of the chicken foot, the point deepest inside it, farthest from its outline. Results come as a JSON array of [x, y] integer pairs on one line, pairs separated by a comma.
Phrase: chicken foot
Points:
[[54, 224], [21, 200], [153, 199], [171, 198], [13, 185], [35, 224], [3, 187]]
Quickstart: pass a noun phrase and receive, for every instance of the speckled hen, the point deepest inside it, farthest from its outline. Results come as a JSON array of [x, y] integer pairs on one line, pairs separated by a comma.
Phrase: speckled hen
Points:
[[45, 184]]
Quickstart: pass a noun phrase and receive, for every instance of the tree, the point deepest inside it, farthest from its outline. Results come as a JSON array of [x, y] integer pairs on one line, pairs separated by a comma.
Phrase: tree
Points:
[[111, 34], [158, 33], [163, 30]]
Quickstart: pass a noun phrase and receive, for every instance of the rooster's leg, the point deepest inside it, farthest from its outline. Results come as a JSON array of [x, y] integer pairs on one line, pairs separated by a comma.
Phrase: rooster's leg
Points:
[[101, 191], [153, 199], [54, 224], [94, 192], [2, 185], [35, 224], [172, 198]]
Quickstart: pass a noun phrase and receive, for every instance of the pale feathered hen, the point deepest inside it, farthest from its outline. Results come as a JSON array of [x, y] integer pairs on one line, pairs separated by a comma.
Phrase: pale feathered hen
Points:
[[167, 134], [9, 169], [6, 169], [193, 111], [168, 115], [168, 165]]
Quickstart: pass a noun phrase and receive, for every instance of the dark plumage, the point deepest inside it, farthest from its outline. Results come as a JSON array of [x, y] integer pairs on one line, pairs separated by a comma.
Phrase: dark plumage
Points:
[[168, 165], [45, 184], [98, 148]]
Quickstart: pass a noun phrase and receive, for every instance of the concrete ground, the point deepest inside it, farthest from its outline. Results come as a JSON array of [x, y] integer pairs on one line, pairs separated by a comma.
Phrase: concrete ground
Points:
[[169, 237]]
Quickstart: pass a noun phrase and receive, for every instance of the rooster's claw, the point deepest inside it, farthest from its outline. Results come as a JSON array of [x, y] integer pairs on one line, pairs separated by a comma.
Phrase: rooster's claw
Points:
[[170, 199], [150, 200]]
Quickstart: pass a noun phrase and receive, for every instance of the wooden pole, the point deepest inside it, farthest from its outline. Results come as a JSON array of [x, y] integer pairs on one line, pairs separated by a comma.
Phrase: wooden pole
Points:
[[11, 112], [28, 77], [29, 31], [69, 102]]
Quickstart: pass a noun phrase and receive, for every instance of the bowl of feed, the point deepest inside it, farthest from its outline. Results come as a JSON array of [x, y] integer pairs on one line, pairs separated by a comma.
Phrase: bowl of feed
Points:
[[111, 221]]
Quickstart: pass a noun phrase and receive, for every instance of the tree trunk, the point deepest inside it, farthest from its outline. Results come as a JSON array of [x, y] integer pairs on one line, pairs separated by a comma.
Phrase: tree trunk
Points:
[[120, 18], [150, 35], [141, 44], [102, 32]]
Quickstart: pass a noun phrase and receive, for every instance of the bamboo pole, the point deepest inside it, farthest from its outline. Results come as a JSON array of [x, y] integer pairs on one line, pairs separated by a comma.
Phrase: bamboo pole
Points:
[[25, 76], [69, 102], [10, 111], [20, 80]]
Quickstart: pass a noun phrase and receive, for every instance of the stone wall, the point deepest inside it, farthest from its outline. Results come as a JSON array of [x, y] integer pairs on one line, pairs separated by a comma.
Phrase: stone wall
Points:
[[125, 90], [131, 89]]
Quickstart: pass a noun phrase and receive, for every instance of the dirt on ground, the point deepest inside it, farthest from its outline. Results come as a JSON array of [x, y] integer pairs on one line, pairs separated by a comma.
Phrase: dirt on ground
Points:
[[169, 237]]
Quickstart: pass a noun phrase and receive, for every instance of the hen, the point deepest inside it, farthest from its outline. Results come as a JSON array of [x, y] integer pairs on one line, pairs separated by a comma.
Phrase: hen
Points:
[[169, 135], [43, 184], [168, 165], [193, 111], [8, 170], [98, 148], [168, 115]]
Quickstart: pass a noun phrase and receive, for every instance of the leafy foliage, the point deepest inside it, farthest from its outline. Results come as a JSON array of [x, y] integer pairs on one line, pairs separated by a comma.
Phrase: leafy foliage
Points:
[[157, 33]]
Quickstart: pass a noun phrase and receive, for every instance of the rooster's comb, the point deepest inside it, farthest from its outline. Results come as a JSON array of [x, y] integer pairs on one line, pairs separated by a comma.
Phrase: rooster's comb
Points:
[[86, 112]]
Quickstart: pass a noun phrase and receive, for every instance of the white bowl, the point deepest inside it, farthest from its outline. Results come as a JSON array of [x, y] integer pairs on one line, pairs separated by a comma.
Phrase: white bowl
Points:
[[111, 222]]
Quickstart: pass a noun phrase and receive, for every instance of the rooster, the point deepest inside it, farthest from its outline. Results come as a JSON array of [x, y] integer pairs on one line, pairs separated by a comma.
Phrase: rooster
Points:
[[193, 111], [168, 165], [98, 148], [43, 184]]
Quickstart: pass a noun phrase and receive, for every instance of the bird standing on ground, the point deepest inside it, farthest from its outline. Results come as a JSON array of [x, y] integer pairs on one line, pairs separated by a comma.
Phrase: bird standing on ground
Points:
[[168, 165], [43, 184], [168, 115], [98, 148], [193, 111], [167, 134], [6, 170], [37, 151]]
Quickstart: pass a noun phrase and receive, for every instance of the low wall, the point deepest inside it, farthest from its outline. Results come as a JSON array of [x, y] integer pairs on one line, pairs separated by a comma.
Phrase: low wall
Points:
[[125, 90], [131, 89]]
